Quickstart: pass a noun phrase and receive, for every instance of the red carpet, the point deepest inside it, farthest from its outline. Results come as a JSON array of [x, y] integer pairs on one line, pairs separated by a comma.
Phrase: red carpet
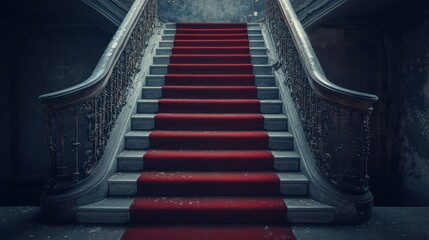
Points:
[[202, 210], [209, 122], [209, 160], [211, 43], [210, 58], [209, 106], [209, 232], [204, 160], [210, 36], [211, 31], [208, 140], [210, 80], [208, 183], [210, 50], [210, 68], [205, 92], [211, 25]]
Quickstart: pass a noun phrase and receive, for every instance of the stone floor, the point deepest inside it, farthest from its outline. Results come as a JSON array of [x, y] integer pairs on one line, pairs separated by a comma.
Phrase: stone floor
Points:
[[387, 223]]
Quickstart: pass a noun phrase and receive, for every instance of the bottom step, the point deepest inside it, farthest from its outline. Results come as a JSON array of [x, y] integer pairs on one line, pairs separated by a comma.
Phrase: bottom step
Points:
[[208, 210], [117, 210]]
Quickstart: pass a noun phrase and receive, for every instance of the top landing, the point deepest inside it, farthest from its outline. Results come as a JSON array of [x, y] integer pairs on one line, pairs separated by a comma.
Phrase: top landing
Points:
[[211, 11]]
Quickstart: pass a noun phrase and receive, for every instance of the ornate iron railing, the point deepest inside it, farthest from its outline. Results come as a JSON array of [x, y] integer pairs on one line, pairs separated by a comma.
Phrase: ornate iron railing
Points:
[[335, 120], [80, 118]]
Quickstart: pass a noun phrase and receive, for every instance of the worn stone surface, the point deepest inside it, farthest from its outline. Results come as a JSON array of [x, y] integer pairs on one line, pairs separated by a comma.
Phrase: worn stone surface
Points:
[[24, 223], [211, 11], [21, 223], [386, 224]]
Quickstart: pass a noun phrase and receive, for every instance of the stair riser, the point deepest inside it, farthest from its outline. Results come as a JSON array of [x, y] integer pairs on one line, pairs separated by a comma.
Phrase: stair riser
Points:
[[133, 161], [249, 26], [252, 51], [266, 107], [117, 210], [262, 93], [128, 186], [249, 31], [162, 60], [260, 81], [226, 37], [252, 43], [148, 123], [142, 142], [257, 70]]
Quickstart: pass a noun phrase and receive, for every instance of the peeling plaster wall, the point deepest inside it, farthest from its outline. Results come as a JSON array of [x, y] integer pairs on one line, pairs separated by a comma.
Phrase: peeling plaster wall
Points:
[[412, 77], [391, 59], [236, 10], [211, 10], [311, 10]]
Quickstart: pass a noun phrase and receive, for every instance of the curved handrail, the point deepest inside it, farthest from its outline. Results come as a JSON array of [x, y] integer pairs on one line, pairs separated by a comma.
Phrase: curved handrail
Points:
[[89, 88], [318, 81]]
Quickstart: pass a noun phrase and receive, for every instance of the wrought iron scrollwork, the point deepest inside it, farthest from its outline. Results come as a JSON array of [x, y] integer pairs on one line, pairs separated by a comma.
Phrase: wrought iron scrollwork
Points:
[[79, 127], [336, 130]]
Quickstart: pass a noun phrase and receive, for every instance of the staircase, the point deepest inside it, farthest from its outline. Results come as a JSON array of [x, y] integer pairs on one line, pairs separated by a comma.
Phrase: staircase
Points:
[[209, 143]]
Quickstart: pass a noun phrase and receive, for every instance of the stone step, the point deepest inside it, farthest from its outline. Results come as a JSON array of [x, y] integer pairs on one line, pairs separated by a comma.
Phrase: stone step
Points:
[[263, 69], [117, 210], [253, 51], [255, 59], [249, 26], [250, 30], [260, 80], [132, 161], [251, 37], [272, 122], [263, 93], [125, 183], [139, 140], [252, 43], [266, 106]]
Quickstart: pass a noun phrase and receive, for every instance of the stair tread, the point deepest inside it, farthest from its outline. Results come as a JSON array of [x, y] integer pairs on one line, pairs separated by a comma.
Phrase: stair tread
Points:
[[227, 40], [208, 160], [138, 154], [240, 202], [215, 115], [210, 87], [212, 34], [214, 65], [283, 177], [211, 75], [123, 203], [206, 133], [205, 47], [209, 100]]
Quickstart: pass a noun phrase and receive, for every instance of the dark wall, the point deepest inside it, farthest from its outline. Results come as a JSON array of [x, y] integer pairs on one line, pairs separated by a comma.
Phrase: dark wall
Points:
[[387, 54], [51, 58], [45, 54], [5, 120], [409, 82]]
